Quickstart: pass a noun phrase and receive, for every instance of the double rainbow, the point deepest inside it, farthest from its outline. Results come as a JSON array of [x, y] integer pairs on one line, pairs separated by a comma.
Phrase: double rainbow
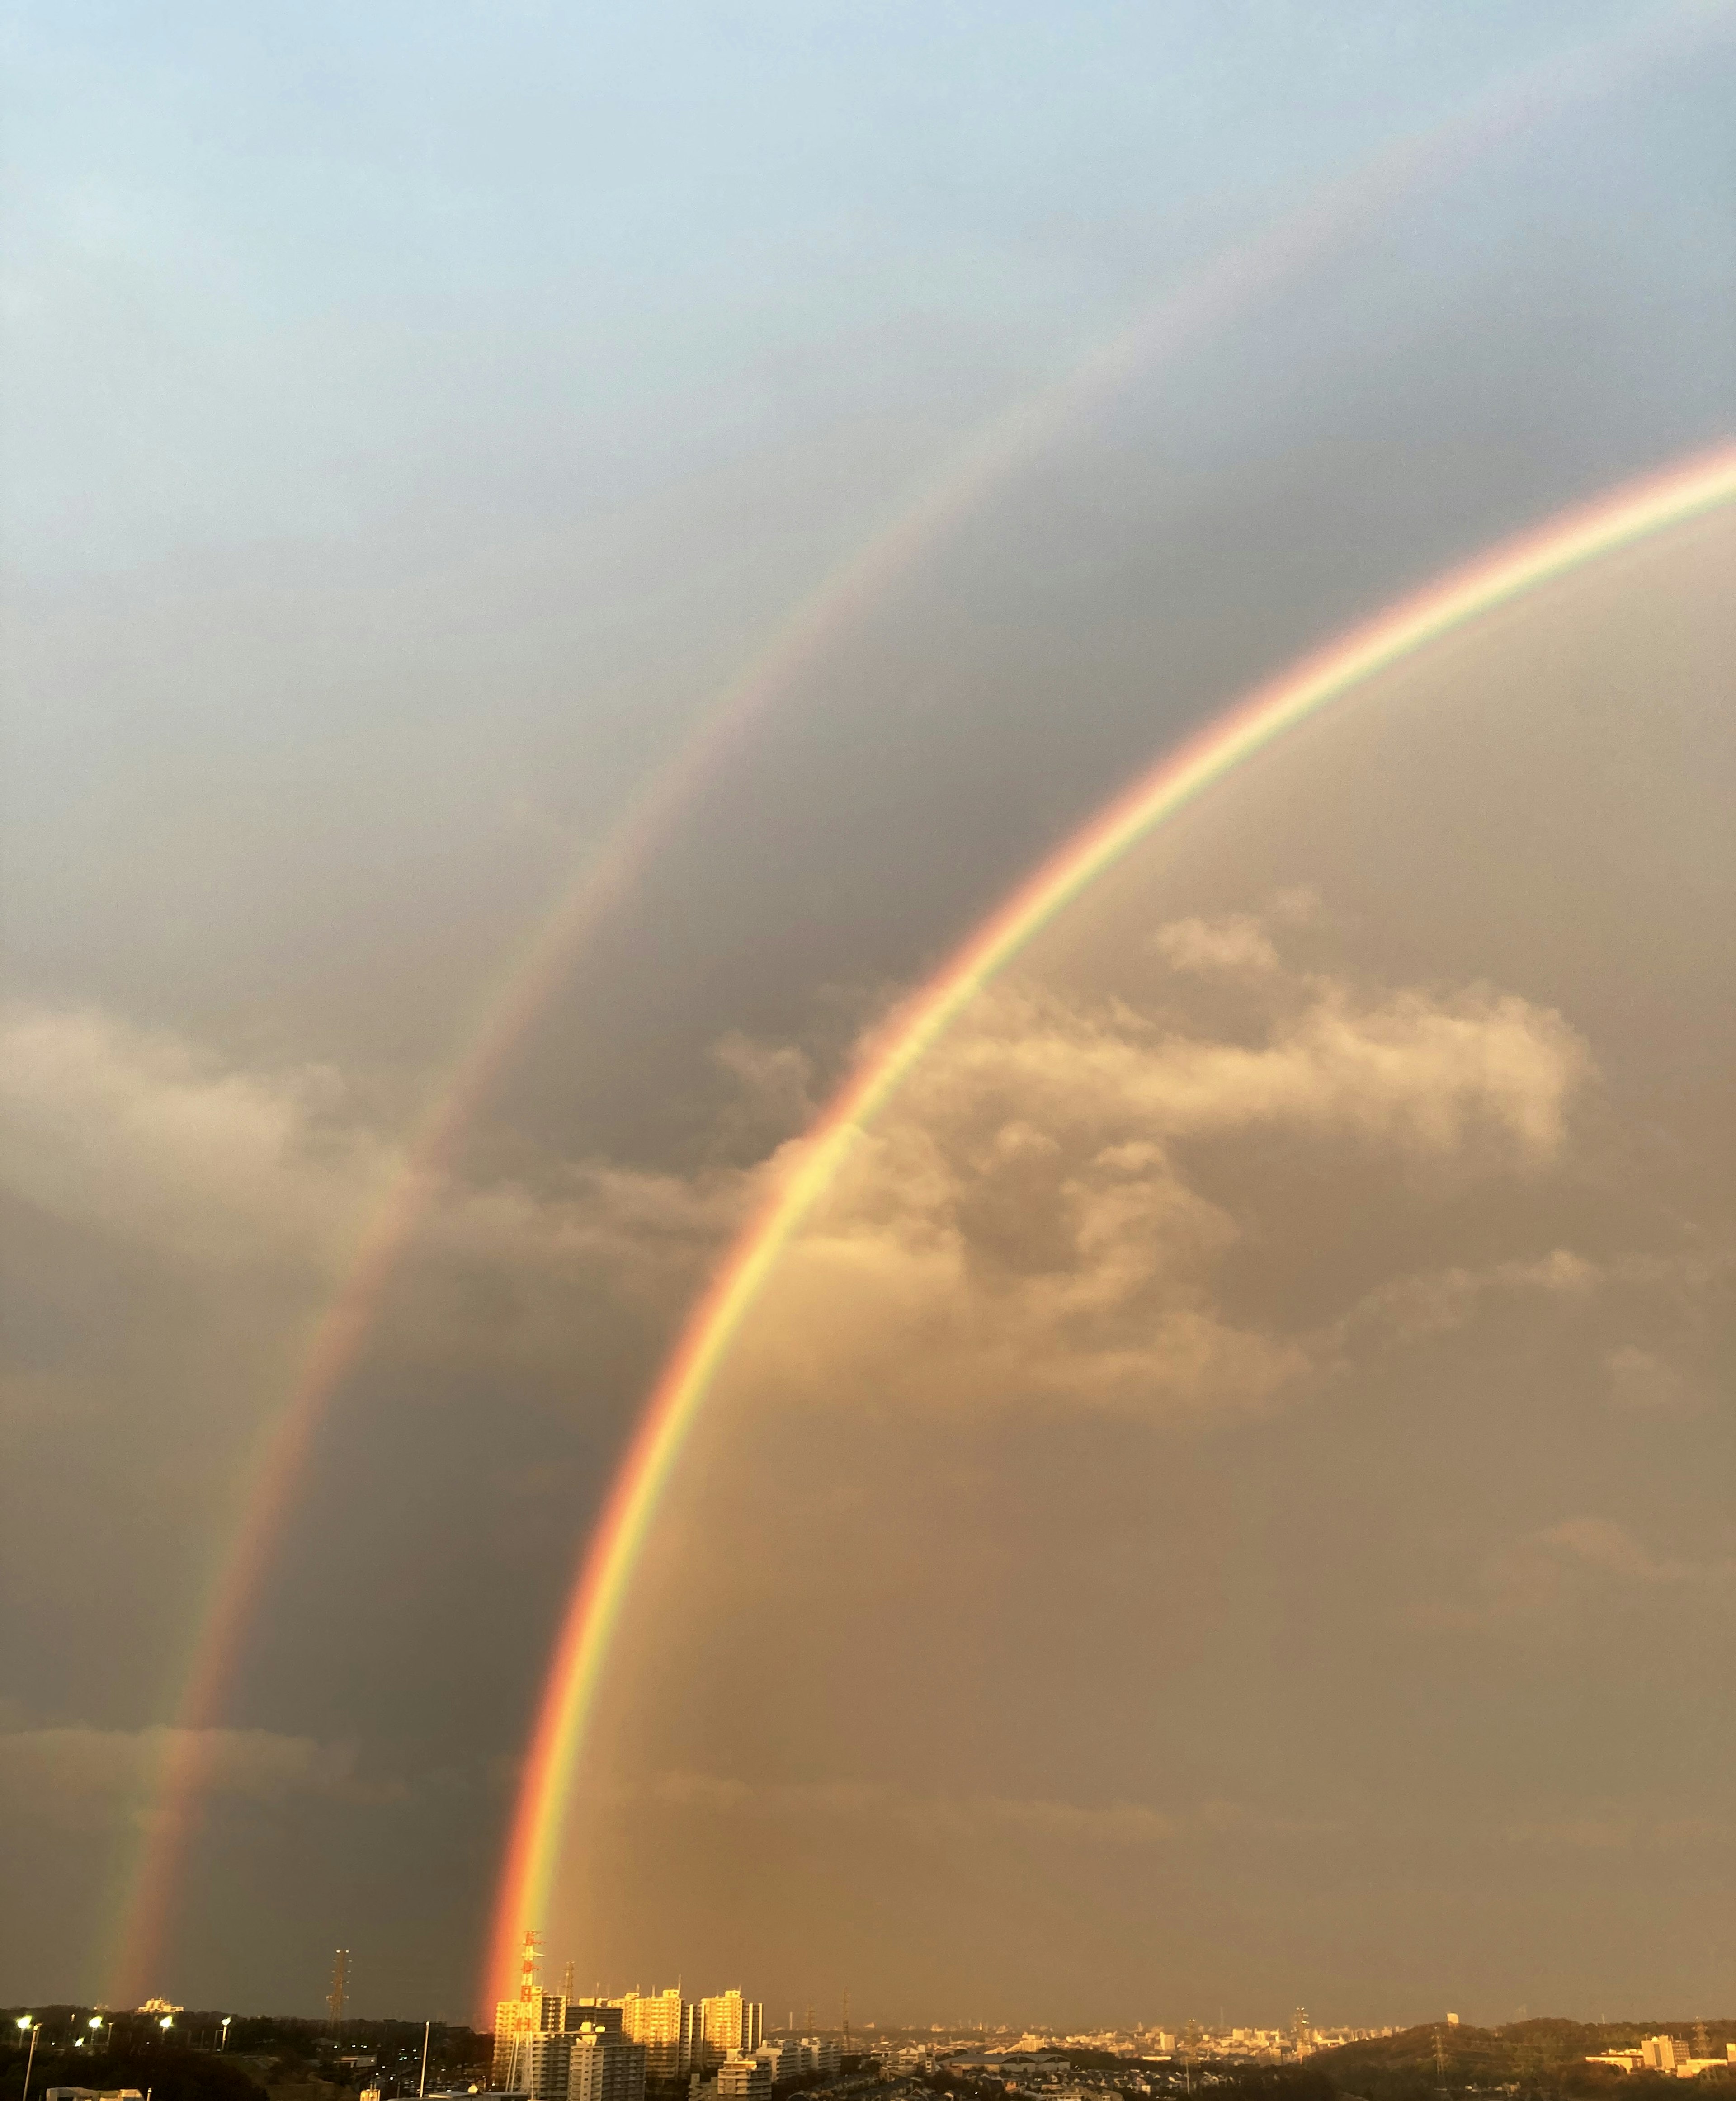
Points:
[[139, 1913]]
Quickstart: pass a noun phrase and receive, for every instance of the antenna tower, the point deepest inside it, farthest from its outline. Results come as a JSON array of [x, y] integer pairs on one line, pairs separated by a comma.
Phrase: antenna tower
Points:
[[529, 1959], [337, 1997]]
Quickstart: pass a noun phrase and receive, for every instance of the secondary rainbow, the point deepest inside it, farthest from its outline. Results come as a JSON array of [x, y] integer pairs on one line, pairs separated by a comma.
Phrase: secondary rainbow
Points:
[[1512, 571]]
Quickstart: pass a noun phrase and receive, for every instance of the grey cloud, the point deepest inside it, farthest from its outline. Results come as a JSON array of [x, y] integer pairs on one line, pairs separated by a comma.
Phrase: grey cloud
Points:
[[1619, 1831], [1119, 1825], [1563, 1566], [1640, 1380], [75, 1777], [149, 1138], [1602, 1544]]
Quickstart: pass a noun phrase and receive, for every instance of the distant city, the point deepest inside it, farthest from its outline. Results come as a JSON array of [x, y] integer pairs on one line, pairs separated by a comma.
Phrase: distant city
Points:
[[664, 2045]]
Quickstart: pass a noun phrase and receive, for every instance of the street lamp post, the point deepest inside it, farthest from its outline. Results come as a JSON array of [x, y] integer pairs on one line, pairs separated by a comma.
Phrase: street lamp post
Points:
[[223, 2040], [27, 2021]]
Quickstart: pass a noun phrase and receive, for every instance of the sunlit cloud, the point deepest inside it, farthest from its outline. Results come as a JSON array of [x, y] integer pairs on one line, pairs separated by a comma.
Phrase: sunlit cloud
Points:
[[1236, 945], [1025, 1221]]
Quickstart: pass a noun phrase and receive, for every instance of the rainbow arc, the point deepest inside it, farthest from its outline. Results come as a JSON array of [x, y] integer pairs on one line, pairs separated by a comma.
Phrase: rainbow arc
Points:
[[1511, 572]]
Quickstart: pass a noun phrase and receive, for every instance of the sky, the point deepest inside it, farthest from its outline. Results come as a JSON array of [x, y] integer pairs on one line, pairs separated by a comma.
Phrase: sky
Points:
[[1234, 1488]]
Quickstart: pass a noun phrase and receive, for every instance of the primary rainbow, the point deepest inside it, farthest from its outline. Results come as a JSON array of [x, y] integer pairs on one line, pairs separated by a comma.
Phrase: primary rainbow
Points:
[[1510, 572]]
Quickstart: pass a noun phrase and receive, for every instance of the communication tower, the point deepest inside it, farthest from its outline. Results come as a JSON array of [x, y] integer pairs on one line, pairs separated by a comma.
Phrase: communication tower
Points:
[[337, 1997]]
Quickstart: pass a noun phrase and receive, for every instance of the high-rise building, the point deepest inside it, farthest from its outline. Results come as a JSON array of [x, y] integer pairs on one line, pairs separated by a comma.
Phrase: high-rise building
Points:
[[728, 2023], [666, 2023], [605, 2067], [743, 2078], [545, 2062]]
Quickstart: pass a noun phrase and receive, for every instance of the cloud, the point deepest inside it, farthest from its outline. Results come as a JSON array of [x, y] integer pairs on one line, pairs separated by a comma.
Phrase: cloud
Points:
[[1116, 1824], [1412, 1071], [73, 1776], [1601, 1544], [1234, 946], [151, 1139], [1576, 1562], [1645, 1383], [1023, 1221], [1431, 1302], [1618, 1831]]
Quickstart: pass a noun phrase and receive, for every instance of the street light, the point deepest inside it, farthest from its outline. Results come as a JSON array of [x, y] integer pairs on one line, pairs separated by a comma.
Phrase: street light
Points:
[[223, 2042], [27, 2021]]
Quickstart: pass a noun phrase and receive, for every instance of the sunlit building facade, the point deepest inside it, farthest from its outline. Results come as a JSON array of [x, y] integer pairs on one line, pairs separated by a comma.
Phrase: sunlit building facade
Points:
[[668, 2027], [729, 2023]]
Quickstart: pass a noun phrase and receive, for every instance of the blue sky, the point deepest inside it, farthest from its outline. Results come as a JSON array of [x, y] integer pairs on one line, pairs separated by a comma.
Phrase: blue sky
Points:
[[303, 272]]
